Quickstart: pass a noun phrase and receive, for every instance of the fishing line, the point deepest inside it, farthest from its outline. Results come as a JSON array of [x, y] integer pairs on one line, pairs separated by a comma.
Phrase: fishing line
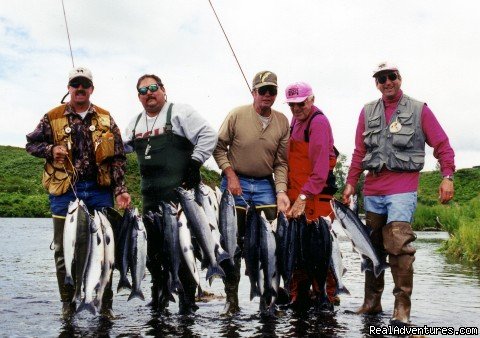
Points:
[[231, 48], [69, 45], [68, 34]]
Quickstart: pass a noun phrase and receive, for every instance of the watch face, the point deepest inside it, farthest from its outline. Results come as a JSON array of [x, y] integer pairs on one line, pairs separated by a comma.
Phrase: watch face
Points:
[[303, 197]]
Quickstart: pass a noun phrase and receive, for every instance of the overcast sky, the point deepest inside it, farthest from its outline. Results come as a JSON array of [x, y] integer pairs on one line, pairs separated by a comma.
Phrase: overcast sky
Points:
[[333, 45]]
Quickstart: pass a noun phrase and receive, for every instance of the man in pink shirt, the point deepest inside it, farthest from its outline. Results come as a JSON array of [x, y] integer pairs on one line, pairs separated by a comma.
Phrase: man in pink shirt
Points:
[[390, 144]]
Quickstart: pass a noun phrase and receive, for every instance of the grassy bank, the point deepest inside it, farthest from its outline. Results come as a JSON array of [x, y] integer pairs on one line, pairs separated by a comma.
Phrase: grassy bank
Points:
[[22, 194], [461, 217]]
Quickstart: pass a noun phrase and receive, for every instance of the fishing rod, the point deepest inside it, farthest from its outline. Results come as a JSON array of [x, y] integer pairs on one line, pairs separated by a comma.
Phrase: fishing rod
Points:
[[69, 45], [231, 48]]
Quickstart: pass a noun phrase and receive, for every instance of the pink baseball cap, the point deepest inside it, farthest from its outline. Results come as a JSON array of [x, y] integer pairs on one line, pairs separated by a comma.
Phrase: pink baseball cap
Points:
[[298, 92]]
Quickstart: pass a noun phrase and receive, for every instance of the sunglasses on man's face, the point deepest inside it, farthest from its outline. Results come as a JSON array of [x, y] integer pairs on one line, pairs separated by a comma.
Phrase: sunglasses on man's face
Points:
[[76, 83], [383, 78], [152, 88], [300, 104], [271, 89]]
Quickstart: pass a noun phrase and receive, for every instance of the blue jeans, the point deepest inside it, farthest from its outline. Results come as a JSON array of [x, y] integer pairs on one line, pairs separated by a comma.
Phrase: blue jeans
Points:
[[254, 192], [398, 207], [93, 196]]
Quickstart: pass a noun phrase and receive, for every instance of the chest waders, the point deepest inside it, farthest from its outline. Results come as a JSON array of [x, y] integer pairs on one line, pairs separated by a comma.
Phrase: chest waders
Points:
[[163, 167]]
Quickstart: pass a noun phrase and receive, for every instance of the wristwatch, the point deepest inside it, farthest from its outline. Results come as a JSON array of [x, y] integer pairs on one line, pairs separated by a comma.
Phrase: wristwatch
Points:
[[302, 197], [449, 177]]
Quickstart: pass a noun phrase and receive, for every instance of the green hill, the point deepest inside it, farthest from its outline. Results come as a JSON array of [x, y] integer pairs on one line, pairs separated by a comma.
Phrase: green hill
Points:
[[21, 195]]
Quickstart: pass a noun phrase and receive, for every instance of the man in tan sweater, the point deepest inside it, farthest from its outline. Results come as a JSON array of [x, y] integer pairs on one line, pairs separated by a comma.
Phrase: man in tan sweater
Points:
[[252, 154]]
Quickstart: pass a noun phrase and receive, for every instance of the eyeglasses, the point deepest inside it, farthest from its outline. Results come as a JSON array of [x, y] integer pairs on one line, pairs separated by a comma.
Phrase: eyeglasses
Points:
[[76, 83], [383, 78], [300, 104], [271, 89], [152, 88]]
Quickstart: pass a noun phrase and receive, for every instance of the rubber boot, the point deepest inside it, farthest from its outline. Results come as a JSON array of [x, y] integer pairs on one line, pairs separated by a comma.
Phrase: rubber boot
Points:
[[231, 282], [374, 285], [154, 293], [67, 292], [106, 310], [402, 273], [186, 296]]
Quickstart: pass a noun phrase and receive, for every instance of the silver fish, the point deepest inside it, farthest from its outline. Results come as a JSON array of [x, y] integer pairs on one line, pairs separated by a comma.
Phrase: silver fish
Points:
[[268, 259], [358, 234], [228, 225], [186, 247], [95, 263], [171, 245], [109, 258], [337, 264], [200, 227], [138, 255], [205, 196], [82, 248], [70, 237]]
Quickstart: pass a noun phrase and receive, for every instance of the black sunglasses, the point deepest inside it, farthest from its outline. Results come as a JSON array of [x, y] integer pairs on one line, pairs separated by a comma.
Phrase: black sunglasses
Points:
[[271, 89], [76, 83], [293, 104], [152, 88], [383, 78]]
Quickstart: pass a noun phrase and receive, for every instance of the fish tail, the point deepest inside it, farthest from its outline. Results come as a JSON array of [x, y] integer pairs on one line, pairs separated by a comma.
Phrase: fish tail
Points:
[[136, 294], [377, 270], [87, 306], [214, 271], [123, 283], [223, 255], [343, 290], [69, 280]]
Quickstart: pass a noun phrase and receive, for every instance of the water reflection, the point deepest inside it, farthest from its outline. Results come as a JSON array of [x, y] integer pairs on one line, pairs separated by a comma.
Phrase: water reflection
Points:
[[29, 298]]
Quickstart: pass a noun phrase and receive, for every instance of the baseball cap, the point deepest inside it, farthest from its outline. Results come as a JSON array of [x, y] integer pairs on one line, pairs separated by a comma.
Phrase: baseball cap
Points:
[[264, 78], [80, 72], [384, 66], [298, 92]]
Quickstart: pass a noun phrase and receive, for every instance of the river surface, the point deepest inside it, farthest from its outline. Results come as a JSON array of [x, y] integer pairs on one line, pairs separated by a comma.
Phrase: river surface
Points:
[[445, 294]]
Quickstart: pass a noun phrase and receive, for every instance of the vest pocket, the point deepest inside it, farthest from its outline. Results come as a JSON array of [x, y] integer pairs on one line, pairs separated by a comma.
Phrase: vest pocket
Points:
[[403, 138], [371, 138], [372, 161], [404, 162], [374, 121]]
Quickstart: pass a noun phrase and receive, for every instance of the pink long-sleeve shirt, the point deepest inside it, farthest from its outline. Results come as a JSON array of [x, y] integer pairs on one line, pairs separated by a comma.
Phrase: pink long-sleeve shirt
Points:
[[387, 182], [320, 150]]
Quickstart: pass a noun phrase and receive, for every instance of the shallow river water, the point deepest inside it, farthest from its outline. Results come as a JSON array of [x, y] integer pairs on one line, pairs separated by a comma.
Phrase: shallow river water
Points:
[[445, 294]]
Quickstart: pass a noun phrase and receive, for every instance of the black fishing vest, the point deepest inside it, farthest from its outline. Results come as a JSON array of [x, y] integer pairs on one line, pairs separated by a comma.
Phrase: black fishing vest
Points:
[[163, 169]]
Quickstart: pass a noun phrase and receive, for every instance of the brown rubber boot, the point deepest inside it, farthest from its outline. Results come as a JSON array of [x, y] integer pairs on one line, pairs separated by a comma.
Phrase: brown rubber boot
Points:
[[374, 286], [231, 281], [106, 310], [67, 292], [402, 272]]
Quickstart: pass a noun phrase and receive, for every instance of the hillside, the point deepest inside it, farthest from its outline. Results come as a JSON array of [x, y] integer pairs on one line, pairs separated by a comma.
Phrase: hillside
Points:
[[21, 191]]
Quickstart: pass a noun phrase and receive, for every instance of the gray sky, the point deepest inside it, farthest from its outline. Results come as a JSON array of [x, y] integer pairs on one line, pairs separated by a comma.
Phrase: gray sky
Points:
[[333, 45]]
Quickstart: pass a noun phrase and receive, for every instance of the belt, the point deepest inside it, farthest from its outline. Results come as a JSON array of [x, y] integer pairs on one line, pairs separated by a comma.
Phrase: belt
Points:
[[268, 177]]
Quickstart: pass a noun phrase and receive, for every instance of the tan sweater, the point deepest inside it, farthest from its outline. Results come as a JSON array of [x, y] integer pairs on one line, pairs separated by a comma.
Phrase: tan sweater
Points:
[[251, 151]]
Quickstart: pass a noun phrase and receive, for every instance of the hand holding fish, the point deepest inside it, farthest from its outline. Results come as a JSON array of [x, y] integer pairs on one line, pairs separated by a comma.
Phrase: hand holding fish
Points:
[[233, 183], [283, 202], [347, 193], [297, 209], [123, 200]]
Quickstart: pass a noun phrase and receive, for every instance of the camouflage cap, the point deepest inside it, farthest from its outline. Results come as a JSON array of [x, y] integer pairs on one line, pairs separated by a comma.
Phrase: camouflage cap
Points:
[[264, 78]]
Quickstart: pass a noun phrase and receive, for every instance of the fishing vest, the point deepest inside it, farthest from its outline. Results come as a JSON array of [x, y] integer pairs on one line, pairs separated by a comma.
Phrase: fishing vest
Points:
[[400, 145], [299, 170], [163, 166], [55, 175]]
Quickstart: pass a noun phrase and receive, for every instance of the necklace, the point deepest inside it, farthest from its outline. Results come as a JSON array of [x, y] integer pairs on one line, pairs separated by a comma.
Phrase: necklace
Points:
[[149, 132]]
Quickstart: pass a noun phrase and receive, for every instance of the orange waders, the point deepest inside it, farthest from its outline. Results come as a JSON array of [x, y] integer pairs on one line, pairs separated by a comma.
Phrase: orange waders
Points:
[[299, 170]]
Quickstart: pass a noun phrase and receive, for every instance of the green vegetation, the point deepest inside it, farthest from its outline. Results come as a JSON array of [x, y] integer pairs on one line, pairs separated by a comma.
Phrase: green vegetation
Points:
[[21, 195]]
